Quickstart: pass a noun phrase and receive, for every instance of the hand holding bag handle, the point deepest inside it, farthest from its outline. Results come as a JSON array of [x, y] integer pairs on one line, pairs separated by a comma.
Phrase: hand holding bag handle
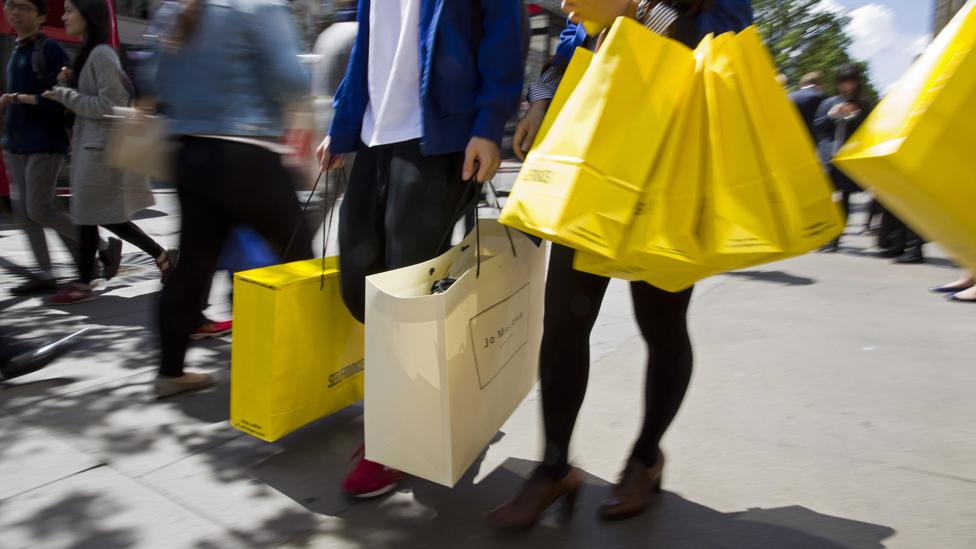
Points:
[[473, 204]]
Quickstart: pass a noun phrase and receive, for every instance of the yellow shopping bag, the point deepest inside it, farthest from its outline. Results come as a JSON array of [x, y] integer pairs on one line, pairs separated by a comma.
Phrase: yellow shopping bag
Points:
[[915, 149], [297, 353], [580, 185], [761, 196], [574, 72], [662, 246], [741, 224], [799, 186]]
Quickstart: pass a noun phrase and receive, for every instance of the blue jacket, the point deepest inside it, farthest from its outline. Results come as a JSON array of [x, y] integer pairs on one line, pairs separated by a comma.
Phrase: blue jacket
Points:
[[724, 16], [470, 80], [808, 101], [235, 75]]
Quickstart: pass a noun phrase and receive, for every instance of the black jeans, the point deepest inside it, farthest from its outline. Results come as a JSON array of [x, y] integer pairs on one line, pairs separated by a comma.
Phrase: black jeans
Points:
[[222, 184], [399, 210], [573, 300], [127, 231], [897, 236]]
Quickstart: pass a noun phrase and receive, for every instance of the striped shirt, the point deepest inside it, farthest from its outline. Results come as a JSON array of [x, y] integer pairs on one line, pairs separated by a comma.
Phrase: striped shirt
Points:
[[659, 19]]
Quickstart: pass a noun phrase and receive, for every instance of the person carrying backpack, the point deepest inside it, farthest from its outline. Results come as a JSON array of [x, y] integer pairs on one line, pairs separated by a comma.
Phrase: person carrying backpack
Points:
[[35, 144]]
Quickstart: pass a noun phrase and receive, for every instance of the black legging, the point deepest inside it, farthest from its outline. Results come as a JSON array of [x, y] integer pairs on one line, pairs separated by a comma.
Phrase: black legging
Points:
[[573, 300], [127, 231], [222, 184]]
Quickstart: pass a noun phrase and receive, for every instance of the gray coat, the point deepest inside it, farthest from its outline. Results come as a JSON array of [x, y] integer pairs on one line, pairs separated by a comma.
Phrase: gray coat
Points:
[[100, 195]]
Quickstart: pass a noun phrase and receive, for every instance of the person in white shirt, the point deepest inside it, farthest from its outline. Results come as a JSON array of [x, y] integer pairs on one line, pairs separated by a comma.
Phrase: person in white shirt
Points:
[[424, 102]]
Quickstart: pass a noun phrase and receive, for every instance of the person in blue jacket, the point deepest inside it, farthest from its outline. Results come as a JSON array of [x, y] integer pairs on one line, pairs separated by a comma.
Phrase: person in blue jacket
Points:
[[573, 298], [424, 102]]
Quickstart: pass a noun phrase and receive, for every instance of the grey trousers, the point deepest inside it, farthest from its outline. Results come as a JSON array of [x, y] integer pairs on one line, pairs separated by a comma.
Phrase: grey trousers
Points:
[[33, 178]]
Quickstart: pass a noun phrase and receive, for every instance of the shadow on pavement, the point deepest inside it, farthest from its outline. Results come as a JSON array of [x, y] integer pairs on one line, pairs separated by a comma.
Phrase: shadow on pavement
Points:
[[776, 277], [421, 514]]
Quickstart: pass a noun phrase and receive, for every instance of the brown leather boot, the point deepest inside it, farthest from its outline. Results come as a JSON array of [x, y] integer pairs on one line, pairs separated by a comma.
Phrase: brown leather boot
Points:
[[631, 496], [537, 494]]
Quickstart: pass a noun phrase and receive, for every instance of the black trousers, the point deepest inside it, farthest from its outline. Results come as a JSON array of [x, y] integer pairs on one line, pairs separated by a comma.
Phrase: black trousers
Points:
[[222, 184], [127, 231], [896, 235], [573, 300], [400, 209]]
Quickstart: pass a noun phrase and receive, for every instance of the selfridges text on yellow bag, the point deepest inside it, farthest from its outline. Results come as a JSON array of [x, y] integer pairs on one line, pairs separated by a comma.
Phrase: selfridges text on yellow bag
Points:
[[580, 185], [915, 149], [662, 246], [803, 195], [297, 353]]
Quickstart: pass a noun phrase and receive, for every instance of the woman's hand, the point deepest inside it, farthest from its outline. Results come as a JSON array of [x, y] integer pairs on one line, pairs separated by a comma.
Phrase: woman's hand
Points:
[[66, 75], [528, 128], [602, 12], [51, 94]]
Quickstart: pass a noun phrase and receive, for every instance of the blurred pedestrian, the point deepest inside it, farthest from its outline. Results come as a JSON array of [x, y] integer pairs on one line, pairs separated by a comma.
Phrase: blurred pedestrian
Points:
[[573, 298], [836, 120], [809, 97], [100, 196], [425, 118], [36, 142], [898, 241], [226, 72], [333, 47]]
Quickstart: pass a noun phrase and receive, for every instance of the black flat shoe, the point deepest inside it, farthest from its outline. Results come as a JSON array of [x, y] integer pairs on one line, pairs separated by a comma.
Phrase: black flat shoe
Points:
[[111, 258], [911, 257], [955, 298], [950, 289], [890, 253]]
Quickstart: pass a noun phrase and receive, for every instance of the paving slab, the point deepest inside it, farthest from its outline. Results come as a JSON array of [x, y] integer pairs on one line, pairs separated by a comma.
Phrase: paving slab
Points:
[[122, 424], [33, 457], [223, 484], [102, 509]]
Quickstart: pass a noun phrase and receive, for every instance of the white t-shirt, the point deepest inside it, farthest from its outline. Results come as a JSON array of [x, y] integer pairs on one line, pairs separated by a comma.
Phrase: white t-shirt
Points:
[[393, 114]]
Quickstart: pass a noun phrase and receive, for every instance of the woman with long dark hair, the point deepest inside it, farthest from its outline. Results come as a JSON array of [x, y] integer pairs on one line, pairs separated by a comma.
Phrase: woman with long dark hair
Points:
[[100, 196], [573, 298]]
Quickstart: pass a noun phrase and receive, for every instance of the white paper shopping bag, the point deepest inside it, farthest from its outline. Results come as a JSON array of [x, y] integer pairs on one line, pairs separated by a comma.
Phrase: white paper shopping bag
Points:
[[444, 371]]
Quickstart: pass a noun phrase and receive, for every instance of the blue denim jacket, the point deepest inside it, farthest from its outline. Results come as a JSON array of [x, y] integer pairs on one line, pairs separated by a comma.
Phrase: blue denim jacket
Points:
[[235, 75]]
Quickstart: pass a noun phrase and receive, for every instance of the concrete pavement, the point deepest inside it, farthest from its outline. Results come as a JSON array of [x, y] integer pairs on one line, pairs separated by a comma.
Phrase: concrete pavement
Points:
[[831, 407]]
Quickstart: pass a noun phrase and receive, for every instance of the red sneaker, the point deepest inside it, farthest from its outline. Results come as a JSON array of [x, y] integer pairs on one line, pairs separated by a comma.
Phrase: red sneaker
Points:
[[212, 329], [370, 479], [76, 292]]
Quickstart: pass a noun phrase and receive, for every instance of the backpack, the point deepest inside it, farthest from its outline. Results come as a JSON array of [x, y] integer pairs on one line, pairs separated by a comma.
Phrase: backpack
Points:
[[39, 66], [38, 63]]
